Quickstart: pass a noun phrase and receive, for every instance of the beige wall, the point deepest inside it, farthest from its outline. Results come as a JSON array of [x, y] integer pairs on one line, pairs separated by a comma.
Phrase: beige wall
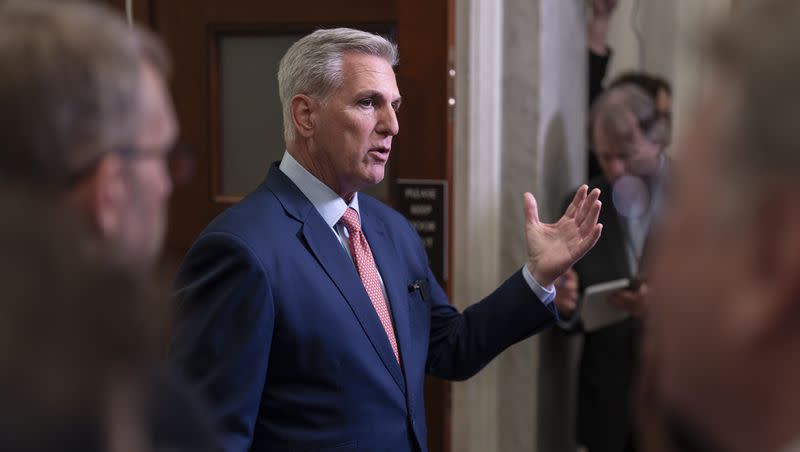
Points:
[[670, 31], [520, 116]]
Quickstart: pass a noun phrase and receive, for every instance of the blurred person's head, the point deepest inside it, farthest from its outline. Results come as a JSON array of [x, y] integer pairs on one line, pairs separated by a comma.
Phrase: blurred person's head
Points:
[[628, 134], [85, 113], [340, 101], [78, 333], [726, 313], [658, 88]]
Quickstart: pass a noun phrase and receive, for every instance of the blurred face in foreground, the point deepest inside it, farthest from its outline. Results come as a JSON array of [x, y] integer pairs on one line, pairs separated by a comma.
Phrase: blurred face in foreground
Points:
[[145, 172], [725, 283]]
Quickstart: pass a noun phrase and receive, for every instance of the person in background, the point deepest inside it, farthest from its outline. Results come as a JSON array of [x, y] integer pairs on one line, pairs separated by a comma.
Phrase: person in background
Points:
[[86, 117], [725, 308], [599, 55], [629, 139], [658, 88]]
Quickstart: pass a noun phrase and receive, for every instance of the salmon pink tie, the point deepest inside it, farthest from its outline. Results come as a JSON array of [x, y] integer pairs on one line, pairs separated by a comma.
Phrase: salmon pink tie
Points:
[[365, 264]]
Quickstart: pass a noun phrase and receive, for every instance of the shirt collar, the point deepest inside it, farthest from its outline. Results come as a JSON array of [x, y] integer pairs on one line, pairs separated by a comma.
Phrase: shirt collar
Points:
[[329, 205]]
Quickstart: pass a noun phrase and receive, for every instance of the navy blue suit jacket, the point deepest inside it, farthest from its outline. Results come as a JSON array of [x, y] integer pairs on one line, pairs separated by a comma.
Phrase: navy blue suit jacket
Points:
[[275, 326]]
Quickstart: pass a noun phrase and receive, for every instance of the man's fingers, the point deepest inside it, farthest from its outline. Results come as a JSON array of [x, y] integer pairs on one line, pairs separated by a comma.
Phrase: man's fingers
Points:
[[531, 209], [587, 206], [577, 200], [591, 219], [588, 242]]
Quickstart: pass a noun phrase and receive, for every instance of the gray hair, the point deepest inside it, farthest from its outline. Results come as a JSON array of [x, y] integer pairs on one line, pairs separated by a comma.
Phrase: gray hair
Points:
[[612, 110], [313, 65], [757, 51], [69, 86]]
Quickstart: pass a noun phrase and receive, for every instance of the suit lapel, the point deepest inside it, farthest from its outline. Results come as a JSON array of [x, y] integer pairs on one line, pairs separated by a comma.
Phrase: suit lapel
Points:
[[387, 260], [338, 266]]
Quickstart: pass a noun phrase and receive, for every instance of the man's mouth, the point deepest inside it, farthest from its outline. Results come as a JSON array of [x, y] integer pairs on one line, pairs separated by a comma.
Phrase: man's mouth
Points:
[[379, 152]]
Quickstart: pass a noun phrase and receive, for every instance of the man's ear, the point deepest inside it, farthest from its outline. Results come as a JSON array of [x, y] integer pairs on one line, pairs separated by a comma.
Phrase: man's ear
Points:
[[304, 111], [104, 196]]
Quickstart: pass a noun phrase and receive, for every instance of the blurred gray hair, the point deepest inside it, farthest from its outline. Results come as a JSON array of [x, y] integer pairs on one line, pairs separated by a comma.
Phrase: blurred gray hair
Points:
[[313, 65], [756, 50], [613, 109], [69, 86]]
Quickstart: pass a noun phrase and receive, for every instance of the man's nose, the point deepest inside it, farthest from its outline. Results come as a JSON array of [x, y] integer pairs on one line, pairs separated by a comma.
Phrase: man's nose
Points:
[[616, 169], [387, 123]]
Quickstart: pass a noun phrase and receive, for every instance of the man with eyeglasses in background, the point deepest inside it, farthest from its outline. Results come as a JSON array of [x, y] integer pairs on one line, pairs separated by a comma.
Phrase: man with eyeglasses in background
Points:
[[86, 117], [629, 137]]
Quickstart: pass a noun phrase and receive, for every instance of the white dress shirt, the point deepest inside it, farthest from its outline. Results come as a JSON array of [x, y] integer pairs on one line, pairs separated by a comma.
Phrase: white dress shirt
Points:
[[331, 207]]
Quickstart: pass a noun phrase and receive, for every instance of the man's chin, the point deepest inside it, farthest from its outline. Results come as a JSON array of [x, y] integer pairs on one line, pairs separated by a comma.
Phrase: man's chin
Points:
[[374, 177]]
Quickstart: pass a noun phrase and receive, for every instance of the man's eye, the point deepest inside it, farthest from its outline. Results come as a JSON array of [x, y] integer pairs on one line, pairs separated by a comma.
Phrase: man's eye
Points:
[[366, 102]]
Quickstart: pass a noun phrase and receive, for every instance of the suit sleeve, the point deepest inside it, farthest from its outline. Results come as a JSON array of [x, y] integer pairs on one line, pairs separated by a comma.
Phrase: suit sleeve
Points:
[[223, 332], [598, 66], [461, 344]]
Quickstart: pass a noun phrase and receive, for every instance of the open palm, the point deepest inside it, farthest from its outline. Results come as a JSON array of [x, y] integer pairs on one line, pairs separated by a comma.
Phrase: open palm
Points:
[[553, 248]]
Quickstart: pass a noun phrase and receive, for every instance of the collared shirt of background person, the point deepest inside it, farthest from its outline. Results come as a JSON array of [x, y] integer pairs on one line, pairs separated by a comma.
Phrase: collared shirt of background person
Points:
[[629, 138], [725, 309], [300, 343], [86, 117]]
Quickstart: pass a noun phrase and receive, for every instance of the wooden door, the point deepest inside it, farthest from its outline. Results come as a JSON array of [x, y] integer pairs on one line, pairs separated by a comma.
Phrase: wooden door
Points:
[[205, 35]]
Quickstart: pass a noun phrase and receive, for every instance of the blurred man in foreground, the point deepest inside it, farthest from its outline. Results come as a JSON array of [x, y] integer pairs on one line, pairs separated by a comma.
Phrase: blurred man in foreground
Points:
[[86, 118], [726, 312], [76, 336], [86, 115]]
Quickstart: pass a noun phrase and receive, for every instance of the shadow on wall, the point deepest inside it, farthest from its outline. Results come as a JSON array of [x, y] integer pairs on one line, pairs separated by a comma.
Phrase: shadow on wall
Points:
[[557, 167]]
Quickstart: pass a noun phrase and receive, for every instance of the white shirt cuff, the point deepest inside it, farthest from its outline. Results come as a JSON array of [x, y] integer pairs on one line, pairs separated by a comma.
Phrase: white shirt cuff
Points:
[[545, 294]]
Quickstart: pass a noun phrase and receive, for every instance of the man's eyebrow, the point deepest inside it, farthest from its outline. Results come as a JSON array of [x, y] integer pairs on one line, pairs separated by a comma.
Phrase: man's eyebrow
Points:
[[377, 95]]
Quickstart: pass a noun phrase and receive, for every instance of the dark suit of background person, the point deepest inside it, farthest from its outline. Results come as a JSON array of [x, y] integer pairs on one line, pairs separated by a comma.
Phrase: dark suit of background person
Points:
[[629, 137], [276, 317], [609, 354]]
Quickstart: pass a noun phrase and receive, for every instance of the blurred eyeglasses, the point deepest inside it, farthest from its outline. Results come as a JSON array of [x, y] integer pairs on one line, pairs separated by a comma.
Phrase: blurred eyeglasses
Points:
[[180, 162]]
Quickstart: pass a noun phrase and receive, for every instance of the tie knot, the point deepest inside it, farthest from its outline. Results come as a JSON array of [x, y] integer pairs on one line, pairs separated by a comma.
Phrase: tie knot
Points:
[[350, 220]]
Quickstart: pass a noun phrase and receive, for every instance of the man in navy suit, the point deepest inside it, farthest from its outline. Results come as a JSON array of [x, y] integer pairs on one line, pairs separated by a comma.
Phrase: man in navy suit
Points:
[[308, 312]]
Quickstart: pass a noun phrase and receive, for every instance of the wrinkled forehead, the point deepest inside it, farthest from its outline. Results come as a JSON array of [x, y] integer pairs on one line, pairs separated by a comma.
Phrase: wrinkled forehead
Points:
[[614, 130], [368, 72]]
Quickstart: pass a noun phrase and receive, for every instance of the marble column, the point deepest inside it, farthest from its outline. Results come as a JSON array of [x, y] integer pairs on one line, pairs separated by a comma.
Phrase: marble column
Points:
[[520, 126]]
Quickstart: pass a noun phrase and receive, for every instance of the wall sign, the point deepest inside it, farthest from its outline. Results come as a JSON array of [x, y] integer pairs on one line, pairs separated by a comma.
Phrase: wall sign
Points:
[[424, 203]]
